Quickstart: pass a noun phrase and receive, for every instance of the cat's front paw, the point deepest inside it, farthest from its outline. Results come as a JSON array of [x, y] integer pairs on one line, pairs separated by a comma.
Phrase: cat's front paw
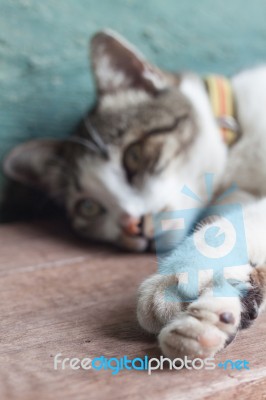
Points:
[[206, 327], [154, 310]]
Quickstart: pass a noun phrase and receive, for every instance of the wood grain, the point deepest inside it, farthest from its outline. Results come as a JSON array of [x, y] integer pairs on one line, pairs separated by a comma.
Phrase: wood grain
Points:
[[59, 295]]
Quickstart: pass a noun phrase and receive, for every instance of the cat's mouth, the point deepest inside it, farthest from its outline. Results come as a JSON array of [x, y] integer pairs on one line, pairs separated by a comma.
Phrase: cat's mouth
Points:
[[137, 244], [138, 234], [150, 233]]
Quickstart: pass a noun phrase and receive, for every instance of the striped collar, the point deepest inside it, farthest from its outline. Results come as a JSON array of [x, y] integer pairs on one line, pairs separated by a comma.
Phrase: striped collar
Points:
[[223, 106]]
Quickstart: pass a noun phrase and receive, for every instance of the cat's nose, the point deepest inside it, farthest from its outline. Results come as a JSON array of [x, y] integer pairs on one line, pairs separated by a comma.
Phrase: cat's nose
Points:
[[131, 225]]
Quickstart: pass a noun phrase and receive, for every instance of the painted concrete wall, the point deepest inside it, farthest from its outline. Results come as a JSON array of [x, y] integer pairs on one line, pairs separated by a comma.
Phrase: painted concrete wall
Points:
[[45, 84]]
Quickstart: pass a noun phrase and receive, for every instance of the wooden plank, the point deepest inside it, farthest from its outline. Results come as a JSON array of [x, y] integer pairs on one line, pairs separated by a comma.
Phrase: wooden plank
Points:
[[61, 295]]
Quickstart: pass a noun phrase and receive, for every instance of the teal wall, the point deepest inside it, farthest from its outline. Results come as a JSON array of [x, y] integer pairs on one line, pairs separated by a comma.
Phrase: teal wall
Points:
[[45, 84]]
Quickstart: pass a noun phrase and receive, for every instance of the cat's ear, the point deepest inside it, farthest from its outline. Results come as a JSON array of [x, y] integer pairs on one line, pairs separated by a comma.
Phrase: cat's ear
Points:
[[36, 163], [117, 65]]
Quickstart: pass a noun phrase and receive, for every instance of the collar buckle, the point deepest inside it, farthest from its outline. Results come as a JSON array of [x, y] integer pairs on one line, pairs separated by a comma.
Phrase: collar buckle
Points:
[[228, 122]]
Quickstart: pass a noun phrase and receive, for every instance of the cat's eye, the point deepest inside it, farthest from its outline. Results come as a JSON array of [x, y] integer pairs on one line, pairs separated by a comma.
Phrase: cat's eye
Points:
[[89, 208], [133, 158]]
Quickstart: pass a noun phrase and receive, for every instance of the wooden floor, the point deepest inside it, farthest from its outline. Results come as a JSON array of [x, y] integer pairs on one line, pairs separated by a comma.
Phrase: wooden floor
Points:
[[59, 295]]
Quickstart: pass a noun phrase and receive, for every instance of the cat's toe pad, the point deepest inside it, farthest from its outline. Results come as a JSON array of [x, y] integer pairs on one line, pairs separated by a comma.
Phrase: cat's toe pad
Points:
[[202, 330]]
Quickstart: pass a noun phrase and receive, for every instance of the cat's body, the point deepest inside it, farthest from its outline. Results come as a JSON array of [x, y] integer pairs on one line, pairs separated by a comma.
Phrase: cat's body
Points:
[[150, 134], [246, 163]]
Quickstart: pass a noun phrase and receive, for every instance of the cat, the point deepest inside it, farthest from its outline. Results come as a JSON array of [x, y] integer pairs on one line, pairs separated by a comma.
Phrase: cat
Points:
[[150, 133]]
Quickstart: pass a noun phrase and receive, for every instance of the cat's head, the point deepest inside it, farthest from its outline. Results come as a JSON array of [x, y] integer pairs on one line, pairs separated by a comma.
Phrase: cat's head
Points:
[[149, 133]]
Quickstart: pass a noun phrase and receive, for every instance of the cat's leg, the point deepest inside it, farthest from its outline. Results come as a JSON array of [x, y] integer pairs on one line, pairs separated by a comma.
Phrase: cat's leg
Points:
[[205, 326], [211, 323], [202, 327]]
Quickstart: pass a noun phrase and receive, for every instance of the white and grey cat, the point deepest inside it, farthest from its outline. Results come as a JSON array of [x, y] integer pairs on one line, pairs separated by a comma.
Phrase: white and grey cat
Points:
[[150, 133]]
